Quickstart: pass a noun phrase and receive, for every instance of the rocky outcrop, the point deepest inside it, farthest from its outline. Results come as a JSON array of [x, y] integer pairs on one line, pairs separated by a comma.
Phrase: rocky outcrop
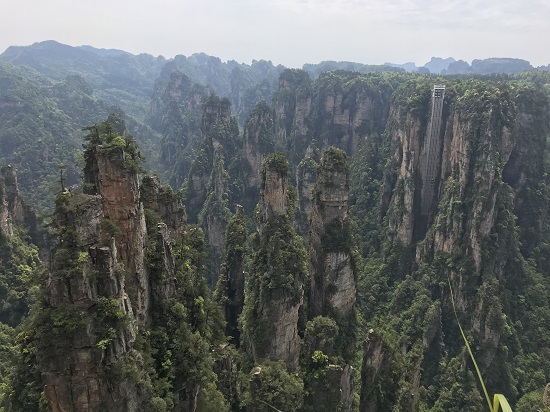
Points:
[[13, 210], [306, 176], [338, 109], [332, 288], [215, 212], [378, 375], [87, 335], [165, 202], [230, 288], [276, 282], [220, 141], [292, 106], [176, 110], [162, 265], [98, 289], [331, 390], [118, 188], [467, 235], [258, 142]]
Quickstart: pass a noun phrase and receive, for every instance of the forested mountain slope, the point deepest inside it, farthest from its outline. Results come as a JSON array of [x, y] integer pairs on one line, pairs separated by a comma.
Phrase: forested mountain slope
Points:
[[337, 220]]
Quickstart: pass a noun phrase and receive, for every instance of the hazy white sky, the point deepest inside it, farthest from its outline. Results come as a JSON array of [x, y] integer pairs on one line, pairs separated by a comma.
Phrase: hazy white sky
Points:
[[290, 32]]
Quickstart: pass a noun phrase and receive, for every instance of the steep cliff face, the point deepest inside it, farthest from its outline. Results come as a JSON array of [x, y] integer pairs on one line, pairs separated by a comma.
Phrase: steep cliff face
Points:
[[230, 287], [347, 111], [215, 212], [379, 375], [19, 257], [332, 288], [106, 176], [97, 288], [13, 210], [83, 332], [258, 142], [208, 191], [163, 201], [292, 106], [466, 234], [337, 109], [125, 302], [220, 133], [274, 293], [306, 176], [176, 110]]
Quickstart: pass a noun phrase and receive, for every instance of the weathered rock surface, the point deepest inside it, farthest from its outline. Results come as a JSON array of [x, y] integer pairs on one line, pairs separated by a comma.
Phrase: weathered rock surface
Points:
[[230, 288], [275, 288], [377, 372], [331, 390], [98, 291], [258, 142], [332, 275], [161, 199], [13, 210]]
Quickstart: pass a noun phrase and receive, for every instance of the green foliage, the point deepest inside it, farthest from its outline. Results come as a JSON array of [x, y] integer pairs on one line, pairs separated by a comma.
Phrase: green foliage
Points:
[[20, 266], [277, 268], [230, 286], [111, 137], [186, 327], [319, 359], [272, 387], [338, 236], [320, 335], [211, 400], [402, 287], [279, 163], [110, 228], [261, 118], [335, 159], [532, 401], [492, 215]]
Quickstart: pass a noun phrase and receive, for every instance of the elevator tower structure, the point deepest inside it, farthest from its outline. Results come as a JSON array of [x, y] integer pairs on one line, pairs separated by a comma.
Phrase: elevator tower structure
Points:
[[432, 149]]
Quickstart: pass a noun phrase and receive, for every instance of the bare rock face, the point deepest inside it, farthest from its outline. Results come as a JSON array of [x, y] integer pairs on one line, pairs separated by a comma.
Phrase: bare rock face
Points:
[[98, 291], [258, 143], [292, 105], [230, 287], [332, 275], [119, 190], [407, 157], [14, 210], [162, 200], [87, 299], [12, 199], [277, 273], [274, 192], [334, 110], [306, 176], [332, 390], [376, 372], [5, 217]]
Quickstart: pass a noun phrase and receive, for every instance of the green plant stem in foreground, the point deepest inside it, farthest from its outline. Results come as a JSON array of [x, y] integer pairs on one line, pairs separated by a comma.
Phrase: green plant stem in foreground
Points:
[[499, 400]]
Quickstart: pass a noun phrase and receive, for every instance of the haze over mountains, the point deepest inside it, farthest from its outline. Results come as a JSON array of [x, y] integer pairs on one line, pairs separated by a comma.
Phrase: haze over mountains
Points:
[[318, 222], [436, 65], [86, 83]]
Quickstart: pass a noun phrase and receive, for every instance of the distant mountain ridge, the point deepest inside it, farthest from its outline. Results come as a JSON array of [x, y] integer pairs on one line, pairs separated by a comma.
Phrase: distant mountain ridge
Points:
[[58, 88], [27, 55], [450, 66]]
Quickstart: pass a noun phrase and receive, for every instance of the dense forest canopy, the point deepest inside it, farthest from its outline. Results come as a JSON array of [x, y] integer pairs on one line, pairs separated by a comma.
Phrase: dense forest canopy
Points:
[[323, 234]]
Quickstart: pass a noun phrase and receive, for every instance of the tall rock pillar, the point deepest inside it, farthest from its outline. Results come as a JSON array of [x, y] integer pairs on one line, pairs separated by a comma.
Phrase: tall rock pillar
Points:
[[275, 288]]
